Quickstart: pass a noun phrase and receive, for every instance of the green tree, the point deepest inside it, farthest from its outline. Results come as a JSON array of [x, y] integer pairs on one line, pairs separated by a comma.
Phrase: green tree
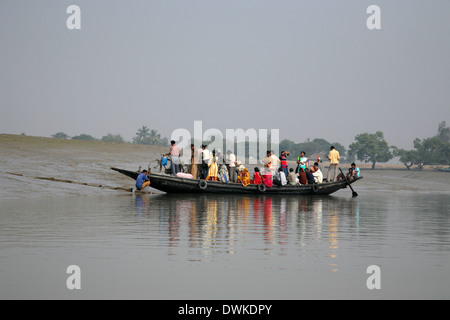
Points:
[[443, 132], [141, 135], [84, 136], [371, 147], [434, 150], [60, 135], [113, 138], [320, 146], [407, 157], [149, 137]]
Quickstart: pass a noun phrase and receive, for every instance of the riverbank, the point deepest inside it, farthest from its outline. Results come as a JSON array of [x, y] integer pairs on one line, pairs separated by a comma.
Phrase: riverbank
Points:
[[84, 164]]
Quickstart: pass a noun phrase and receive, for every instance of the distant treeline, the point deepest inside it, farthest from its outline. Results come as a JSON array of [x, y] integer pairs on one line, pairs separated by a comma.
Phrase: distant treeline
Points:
[[143, 136], [367, 147], [428, 151]]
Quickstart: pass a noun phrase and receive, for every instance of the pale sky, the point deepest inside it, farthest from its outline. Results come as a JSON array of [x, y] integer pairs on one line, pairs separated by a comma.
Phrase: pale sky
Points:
[[309, 68]]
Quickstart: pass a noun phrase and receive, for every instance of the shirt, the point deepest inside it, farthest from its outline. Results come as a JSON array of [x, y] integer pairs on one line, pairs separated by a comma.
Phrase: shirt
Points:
[[283, 161], [303, 160], [334, 156], [274, 161], [205, 155], [292, 177], [356, 172], [232, 160], [310, 177], [141, 179], [174, 151], [280, 175]]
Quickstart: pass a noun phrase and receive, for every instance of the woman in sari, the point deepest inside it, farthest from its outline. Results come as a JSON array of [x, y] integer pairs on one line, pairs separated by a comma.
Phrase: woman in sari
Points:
[[213, 168], [302, 179], [245, 177]]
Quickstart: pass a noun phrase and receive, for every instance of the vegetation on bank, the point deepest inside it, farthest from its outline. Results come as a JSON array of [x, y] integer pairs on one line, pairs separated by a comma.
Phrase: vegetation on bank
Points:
[[368, 147], [428, 151]]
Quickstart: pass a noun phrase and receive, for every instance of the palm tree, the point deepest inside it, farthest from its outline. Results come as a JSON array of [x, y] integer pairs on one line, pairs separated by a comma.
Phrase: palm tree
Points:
[[141, 135], [154, 137]]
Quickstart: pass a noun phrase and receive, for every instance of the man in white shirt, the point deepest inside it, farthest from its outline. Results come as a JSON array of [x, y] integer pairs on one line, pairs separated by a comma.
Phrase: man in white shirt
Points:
[[231, 162], [274, 163], [317, 173], [205, 160]]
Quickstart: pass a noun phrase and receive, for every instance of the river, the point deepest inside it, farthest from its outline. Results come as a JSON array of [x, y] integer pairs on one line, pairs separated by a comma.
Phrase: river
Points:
[[148, 246]]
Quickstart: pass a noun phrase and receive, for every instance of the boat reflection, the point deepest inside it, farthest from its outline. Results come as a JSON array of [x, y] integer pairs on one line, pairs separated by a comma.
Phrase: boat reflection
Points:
[[271, 224]]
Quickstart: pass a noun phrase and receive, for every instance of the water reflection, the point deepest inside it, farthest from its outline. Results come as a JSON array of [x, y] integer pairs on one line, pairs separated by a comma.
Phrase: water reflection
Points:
[[273, 225]]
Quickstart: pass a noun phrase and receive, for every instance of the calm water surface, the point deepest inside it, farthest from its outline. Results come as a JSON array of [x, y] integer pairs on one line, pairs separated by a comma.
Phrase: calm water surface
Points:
[[227, 247]]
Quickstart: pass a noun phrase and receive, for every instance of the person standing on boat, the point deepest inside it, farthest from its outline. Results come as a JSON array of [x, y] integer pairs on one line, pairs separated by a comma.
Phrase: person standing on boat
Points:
[[194, 161], [302, 161], [198, 162], [174, 157], [142, 180], [333, 156], [283, 162], [205, 161], [213, 167], [231, 163], [274, 163]]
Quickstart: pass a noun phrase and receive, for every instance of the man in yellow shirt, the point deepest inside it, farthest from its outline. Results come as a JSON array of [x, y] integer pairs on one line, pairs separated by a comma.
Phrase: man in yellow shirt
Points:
[[333, 156]]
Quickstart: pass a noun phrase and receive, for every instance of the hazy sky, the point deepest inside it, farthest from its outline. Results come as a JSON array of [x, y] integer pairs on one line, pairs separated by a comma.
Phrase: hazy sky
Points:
[[309, 68]]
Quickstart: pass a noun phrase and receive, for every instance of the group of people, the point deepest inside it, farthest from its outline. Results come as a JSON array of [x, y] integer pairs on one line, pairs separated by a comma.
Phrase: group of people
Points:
[[212, 165]]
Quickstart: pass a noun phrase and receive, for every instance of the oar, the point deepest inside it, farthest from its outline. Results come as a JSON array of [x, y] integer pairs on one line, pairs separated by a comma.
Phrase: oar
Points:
[[354, 194]]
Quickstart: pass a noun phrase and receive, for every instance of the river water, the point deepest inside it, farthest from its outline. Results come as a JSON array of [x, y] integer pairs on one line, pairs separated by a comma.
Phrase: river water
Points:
[[147, 246]]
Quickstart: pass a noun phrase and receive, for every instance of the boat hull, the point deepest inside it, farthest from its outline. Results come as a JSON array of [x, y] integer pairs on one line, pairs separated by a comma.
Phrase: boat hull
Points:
[[171, 184]]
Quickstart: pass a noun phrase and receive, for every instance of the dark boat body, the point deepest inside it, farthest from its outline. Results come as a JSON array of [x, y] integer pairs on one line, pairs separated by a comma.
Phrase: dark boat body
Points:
[[172, 184]]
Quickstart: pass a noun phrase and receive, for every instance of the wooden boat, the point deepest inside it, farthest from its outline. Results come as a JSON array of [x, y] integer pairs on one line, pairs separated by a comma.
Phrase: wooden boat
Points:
[[172, 184]]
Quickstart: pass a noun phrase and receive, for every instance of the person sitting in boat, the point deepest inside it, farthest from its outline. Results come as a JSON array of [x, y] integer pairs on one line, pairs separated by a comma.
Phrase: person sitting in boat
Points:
[[309, 176], [317, 173], [348, 176], [257, 176], [356, 170], [223, 174], [292, 178], [213, 167], [142, 180], [302, 179], [280, 178], [245, 177], [267, 178]]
